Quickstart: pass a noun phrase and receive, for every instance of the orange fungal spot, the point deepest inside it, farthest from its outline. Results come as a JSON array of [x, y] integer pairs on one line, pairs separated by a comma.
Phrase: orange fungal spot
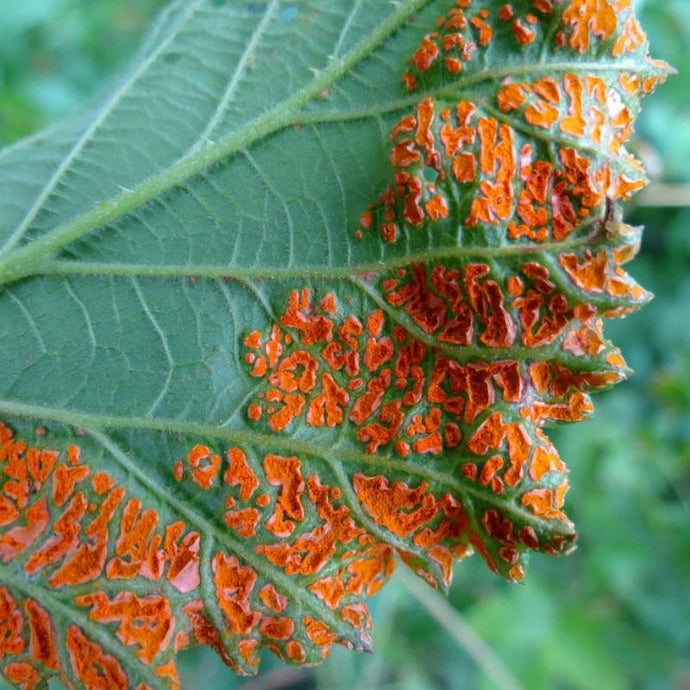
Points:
[[43, 639], [588, 18], [239, 473], [234, 585], [396, 507], [271, 598], [244, 521], [205, 466], [145, 623], [11, 625], [23, 674], [523, 34], [285, 473], [426, 54], [91, 665]]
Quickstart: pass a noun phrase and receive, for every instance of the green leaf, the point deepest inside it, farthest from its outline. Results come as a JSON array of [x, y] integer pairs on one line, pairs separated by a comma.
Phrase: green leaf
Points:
[[271, 317]]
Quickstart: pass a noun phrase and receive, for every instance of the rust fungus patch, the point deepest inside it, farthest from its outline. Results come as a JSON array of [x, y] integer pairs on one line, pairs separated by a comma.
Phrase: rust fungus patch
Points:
[[465, 143], [303, 522], [461, 362], [400, 412]]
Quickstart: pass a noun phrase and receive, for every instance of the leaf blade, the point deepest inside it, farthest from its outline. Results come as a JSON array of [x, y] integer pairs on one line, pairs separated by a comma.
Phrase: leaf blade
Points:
[[332, 394]]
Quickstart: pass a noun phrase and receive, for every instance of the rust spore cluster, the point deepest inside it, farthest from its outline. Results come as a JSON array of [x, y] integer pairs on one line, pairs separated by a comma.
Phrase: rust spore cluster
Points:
[[400, 413], [463, 360], [490, 149], [69, 525], [59, 525]]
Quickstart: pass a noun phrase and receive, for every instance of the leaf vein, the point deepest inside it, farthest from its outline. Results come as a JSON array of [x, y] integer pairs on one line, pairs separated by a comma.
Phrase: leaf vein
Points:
[[84, 139]]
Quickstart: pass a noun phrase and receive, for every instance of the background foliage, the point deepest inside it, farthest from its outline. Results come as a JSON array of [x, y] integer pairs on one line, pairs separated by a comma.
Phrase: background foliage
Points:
[[616, 614]]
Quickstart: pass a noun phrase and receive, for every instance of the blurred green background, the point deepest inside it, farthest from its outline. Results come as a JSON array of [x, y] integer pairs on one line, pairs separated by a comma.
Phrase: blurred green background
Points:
[[614, 615]]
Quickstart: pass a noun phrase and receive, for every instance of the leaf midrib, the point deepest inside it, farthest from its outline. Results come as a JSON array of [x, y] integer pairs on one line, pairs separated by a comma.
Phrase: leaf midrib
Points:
[[20, 263], [61, 267], [28, 259], [94, 422]]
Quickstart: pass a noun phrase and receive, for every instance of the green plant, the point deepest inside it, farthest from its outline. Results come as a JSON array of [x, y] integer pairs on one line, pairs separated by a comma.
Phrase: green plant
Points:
[[255, 378]]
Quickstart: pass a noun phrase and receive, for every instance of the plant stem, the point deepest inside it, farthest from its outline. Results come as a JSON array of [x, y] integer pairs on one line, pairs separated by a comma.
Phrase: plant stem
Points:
[[462, 633]]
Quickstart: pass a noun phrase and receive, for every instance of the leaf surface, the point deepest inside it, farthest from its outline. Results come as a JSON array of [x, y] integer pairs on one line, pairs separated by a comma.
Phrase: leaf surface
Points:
[[291, 302]]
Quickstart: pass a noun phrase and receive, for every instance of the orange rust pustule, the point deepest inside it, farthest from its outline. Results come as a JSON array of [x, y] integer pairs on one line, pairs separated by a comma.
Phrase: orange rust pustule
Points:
[[295, 652], [234, 585], [138, 547], [491, 435], [244, 521], [498, 164], [277, 628], [588, 18], [320, 634], [631, 38], [11, 625], [239, 473], [207, 633], [313, 549], [397, 507], [425, 55], [65, 538], [183, 553], [205, 465], [546, 502], [21, 537], [314, 328], [523, 34], [91, 664], [369, 572], [146, 623], [285, 473], [43, 637], [86, 563], [65, 480], [22, 674], [327, 408], [273, 599]]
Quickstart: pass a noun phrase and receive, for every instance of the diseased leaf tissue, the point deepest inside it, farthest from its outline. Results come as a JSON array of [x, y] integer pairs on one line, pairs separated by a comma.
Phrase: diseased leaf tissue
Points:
[[393, 402]]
